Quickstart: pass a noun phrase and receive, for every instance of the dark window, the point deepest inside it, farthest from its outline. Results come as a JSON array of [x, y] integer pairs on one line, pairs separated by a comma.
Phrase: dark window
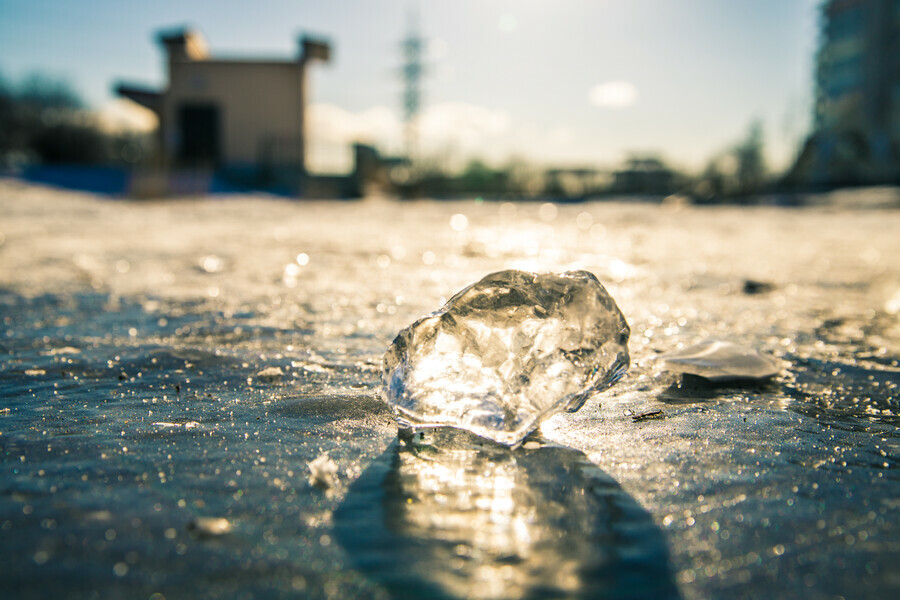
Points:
[[199, 128]]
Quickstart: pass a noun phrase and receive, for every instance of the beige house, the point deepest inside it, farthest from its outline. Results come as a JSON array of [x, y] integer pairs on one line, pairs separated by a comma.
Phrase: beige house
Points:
[[242, 117]]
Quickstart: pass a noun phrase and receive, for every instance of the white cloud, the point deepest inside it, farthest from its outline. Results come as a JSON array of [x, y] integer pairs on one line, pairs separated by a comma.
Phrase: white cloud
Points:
[[332, 131], [614, 94], [460, 129], [121, 115], [466, 127], [463, 125], [452, 132], [329, 124]]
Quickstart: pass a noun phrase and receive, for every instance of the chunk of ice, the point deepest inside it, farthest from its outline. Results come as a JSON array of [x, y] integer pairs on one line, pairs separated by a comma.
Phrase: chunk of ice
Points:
[[717, 360], [506, 353], [270, 374], [323, 472], [210, 526]]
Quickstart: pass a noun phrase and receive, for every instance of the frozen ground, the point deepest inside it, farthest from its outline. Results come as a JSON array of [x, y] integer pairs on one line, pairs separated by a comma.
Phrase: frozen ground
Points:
[[166, 364]]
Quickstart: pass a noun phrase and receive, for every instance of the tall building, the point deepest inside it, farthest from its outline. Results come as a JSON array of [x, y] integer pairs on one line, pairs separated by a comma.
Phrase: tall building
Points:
[[856, 119]]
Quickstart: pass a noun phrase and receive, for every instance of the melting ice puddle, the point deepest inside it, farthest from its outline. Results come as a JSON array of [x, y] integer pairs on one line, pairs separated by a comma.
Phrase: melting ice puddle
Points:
[[506, 353]]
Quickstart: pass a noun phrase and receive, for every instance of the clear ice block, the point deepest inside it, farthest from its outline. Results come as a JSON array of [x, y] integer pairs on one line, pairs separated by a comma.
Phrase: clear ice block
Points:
[[506, 353]]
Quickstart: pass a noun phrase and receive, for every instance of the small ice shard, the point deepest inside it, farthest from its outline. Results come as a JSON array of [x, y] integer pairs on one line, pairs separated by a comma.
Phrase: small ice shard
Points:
[[63, 350], [650, 414], [323, 472], [211, 263], [210, 526], [270, 374], [721, 361], [170, 425], [752, 286], [506, 353]]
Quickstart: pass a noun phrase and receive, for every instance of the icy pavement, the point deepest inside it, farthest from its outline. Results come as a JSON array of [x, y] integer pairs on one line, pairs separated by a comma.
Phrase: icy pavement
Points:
[[172, 369]]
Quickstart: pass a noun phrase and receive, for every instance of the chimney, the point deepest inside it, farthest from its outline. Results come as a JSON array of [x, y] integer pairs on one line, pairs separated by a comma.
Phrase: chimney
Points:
[[184, 45]]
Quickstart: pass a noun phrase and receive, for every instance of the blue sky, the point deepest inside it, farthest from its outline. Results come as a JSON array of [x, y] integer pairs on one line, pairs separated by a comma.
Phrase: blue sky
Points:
[[586, 81]]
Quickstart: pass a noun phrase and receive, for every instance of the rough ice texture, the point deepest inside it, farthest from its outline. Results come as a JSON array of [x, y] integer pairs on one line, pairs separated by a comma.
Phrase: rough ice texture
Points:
[[506, 353], [717, 360]]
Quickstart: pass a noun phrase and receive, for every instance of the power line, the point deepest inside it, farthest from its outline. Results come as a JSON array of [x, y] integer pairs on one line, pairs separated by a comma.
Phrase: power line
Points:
[[413, 46]]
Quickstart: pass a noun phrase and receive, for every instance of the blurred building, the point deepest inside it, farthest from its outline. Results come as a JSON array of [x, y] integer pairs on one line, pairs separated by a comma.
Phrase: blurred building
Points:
[[644, 176], [856, 120], [243, 118]]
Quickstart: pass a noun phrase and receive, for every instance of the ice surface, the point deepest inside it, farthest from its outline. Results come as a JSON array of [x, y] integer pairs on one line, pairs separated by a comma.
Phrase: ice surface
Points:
[[506, 353], [718, 360], [82, 457]]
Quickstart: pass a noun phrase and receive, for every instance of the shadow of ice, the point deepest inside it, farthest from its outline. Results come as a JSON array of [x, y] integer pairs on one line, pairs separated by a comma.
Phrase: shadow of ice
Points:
[[444, 514]]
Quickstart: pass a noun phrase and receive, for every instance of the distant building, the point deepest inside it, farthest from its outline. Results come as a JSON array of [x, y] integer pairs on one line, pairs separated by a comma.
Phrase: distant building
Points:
[[856, 120], [575, 183], [644, 176], [241, 117]]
